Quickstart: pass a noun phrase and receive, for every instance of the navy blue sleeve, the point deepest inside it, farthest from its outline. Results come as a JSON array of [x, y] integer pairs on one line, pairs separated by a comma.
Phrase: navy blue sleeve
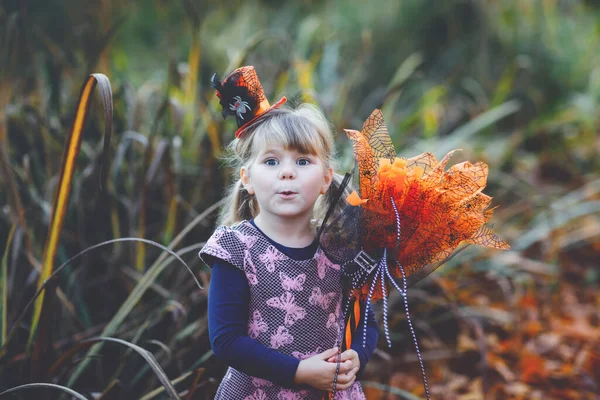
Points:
[[372, 336], [228, 300]]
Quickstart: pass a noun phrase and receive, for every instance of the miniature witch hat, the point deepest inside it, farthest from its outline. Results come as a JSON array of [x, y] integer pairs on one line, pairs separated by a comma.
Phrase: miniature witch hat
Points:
[[242, 96]]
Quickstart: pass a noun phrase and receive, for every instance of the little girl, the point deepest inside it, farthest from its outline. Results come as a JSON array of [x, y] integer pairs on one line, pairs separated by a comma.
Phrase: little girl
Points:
[[274, 305]]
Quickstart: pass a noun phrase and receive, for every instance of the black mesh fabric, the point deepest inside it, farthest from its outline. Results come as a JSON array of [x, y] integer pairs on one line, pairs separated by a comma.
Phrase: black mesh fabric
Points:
[[295, 308]]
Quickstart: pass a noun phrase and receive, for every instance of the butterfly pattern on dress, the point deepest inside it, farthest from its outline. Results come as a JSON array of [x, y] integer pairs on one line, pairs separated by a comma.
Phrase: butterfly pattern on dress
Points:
[[343, 395], [281, 338], [257, 395], [289, 394], [249, 268], [287, 303], [257, 382], [257, 325], [331, 321], [292, 283], [270, 256], [322, 300], [355, 393], [214, 248], [248, 240], [323, 263], [303, 356]]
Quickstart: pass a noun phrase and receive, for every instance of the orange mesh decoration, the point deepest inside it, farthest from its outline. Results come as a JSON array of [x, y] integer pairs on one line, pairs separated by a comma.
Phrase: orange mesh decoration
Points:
[[410, 214], [438, 210]]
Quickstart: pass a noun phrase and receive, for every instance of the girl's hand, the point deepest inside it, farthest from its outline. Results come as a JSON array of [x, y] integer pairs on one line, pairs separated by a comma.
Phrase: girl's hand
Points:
[[351, 355], [317, 372]]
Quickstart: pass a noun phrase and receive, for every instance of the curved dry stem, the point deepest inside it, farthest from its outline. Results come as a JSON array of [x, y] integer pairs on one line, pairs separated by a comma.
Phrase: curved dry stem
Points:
[[44, 385]]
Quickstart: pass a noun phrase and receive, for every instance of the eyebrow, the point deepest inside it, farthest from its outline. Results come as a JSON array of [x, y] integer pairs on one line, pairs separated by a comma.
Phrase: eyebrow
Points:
[[269, 151], [278, 152], [274, 150]]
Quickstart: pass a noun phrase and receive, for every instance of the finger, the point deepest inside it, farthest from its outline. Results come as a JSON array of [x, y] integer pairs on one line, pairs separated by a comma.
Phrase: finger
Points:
[[333, 370], [345, 378], [337, 355], [348, 364], [344, 386], [349, 355], [343, 369], [334, 358], [328, 353], [346, 367], [352, 373]]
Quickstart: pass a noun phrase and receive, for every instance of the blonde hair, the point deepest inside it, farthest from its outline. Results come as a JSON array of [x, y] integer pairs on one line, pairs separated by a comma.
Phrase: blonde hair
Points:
[[304, 129]]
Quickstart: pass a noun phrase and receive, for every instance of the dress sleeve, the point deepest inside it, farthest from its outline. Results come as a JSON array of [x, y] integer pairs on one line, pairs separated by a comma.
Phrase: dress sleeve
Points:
[[223, 245], [228, 299], [372, 336]]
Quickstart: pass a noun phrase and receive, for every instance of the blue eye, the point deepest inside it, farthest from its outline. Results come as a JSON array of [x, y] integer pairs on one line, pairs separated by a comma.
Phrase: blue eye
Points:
[[271, 161], [303, 161]]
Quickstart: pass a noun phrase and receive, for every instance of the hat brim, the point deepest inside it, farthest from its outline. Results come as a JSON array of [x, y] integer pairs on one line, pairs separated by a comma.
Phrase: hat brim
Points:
[[241, 129]]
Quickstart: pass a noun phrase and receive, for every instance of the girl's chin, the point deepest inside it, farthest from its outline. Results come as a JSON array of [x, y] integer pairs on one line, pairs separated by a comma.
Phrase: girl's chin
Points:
[[288, 212]]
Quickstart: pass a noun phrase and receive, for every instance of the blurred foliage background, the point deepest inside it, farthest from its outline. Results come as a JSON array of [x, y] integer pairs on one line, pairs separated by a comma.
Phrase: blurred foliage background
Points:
[[513, 83]]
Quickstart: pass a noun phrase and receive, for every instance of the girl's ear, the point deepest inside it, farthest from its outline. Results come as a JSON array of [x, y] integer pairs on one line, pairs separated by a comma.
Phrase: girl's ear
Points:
[[328, 178], [245, 178]]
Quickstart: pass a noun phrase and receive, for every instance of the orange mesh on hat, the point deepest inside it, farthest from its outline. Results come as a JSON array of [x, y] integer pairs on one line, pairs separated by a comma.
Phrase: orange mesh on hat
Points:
[[242, 96]]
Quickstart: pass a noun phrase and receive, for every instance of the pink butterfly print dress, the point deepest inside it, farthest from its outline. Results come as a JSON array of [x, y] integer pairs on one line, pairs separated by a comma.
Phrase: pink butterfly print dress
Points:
[[294, 308]]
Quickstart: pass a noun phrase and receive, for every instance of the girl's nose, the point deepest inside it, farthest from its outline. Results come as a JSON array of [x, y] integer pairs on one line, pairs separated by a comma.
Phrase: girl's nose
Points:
[[287, 171]]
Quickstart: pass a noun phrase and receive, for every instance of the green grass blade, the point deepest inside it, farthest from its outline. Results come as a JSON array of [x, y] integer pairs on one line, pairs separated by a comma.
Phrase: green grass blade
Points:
[[541, 228], [160, 390], [4, 287], [191, 85], [464, 133], [59, 269], [136, 294], [14, 199], [140, 253], [107, 100], [111, 391], [160, 374], [404, 72]]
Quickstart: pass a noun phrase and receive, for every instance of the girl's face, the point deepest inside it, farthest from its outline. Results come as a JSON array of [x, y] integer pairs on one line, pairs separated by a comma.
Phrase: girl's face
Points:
[[286, 183]]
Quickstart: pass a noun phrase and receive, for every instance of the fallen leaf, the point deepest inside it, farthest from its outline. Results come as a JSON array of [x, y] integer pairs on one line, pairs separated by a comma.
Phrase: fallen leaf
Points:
[[532, 328], [475, 391], [579, 329], [533, 367], [546, 342], [516, 389], [592, 365], [528, 302], [500, 366]]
